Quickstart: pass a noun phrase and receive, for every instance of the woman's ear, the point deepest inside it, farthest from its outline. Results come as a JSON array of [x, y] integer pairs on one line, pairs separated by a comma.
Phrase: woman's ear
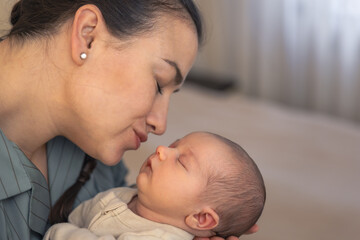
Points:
[[87, 20], [206, 219]]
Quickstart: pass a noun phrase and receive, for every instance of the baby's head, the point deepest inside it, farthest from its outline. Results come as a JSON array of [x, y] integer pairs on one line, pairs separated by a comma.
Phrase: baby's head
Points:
[[204, 184]]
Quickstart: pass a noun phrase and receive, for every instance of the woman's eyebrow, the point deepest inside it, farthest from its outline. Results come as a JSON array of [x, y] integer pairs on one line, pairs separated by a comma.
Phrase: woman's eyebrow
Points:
[[179, 77]]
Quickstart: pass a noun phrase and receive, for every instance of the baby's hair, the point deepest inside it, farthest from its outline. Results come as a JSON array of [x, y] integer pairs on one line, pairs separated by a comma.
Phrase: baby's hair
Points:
[[237, 192]]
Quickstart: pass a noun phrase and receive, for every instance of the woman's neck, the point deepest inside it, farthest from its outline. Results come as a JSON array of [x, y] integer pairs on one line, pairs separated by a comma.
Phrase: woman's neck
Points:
[[25, 103]]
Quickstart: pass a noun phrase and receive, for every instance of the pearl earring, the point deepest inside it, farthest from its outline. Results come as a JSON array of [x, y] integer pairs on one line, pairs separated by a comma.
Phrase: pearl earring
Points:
[[83, 56]]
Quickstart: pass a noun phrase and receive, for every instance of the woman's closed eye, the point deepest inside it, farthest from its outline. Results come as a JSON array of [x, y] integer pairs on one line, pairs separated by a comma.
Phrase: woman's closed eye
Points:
[[159, 89]]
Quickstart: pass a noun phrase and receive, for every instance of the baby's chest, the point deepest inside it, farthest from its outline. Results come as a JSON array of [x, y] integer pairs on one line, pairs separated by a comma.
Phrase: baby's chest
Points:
[[111, 220]]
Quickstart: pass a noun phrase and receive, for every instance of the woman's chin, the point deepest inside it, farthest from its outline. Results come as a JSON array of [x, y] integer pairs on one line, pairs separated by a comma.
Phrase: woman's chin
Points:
[[111, 158]]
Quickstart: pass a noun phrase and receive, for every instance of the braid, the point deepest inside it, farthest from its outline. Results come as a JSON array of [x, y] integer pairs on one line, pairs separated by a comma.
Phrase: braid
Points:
[[63, 206]]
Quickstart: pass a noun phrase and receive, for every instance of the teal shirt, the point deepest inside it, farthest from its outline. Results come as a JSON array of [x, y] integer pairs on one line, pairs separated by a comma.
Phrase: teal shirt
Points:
[[26, 197]]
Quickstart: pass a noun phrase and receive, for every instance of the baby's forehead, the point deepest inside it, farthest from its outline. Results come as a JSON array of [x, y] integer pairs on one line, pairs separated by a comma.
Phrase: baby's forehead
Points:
[[205, 142], [201, 136]]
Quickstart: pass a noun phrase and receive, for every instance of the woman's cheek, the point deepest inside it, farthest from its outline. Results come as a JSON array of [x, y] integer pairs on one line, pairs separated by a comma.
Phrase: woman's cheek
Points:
[[148, 103]]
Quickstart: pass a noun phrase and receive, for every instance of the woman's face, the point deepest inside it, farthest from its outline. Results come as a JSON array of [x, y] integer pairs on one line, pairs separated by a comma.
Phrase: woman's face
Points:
[[122, 92]]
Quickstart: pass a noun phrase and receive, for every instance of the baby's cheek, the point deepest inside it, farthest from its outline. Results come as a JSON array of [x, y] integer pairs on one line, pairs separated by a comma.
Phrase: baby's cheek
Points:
[[141, 181]]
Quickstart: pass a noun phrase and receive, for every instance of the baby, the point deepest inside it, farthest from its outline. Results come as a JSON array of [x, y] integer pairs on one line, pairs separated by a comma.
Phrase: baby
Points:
[[201, 185]]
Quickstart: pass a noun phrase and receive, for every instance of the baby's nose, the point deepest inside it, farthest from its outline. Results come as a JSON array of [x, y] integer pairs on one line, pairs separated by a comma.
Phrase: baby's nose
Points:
[[161, 152]]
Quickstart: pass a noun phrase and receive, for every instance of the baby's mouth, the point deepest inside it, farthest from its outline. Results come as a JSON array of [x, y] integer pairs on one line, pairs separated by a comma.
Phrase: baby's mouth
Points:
[[148, 162]]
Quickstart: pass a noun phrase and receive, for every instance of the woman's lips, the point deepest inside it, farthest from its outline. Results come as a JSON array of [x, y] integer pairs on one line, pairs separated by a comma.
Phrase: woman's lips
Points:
[[138, 142], [140, 137]]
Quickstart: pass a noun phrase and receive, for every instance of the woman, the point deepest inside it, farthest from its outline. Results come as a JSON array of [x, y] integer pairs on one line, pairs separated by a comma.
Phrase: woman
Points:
[[100, 74]]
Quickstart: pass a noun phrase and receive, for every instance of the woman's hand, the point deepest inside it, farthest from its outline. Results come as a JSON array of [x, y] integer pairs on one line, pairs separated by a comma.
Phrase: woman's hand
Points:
[[252, 230], [216, 238]]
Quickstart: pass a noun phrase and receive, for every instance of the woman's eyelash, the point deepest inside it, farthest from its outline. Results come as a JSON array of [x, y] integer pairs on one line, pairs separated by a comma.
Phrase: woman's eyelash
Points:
[[159, 89]]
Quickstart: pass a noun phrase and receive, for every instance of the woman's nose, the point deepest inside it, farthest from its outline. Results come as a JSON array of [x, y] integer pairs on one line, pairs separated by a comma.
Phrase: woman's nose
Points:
[[157, 118]]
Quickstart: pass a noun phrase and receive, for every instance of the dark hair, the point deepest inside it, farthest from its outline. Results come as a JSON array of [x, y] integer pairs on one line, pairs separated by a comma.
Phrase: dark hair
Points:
[[63, 206], [237, 192], [124, 18]]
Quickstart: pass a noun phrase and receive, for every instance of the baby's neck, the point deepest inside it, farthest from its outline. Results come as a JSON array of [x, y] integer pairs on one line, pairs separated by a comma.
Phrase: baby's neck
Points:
[[139, 209], [132, 205], [136, 206]]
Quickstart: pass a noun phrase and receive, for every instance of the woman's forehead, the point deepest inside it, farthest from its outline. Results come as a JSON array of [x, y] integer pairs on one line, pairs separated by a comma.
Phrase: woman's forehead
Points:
[[179, 42]]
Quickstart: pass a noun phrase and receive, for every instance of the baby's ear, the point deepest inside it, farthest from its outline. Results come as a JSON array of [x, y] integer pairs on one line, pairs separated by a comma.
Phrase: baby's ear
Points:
[[206, 219]]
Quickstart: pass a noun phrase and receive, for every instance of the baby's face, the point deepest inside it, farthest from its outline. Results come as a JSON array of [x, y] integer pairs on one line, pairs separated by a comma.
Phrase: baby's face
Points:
[[171, 179]]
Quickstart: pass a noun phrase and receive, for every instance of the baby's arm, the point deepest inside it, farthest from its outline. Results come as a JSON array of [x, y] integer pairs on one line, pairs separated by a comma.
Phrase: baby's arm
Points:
[[132, 237], [69, 231], [88, 210], [155, 234], [79, 221]]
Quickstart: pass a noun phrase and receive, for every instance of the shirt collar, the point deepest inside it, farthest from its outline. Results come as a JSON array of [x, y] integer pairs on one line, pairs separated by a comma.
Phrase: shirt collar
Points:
[[13, 177], [17, 175]]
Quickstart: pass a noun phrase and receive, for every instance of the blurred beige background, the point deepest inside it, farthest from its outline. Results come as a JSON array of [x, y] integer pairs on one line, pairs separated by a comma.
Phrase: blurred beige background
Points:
[[5, 7], [295, 109], [300, 53]]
